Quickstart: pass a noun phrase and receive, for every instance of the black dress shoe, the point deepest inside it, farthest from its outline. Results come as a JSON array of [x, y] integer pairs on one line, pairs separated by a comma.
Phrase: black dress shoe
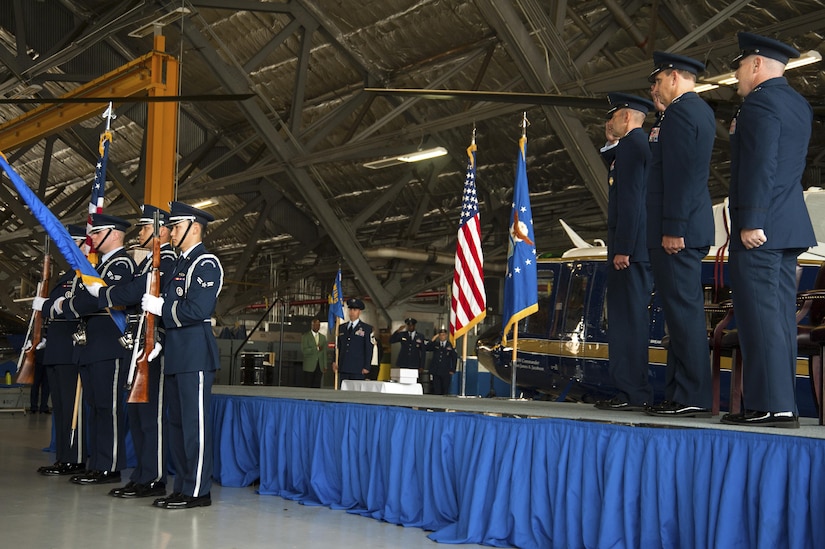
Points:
[[59, 469], [161, 502], [118, 492], [787, 420], [620, 404], [145, 490], [43, 468], [669, 408], [183, 501], [96, 477]]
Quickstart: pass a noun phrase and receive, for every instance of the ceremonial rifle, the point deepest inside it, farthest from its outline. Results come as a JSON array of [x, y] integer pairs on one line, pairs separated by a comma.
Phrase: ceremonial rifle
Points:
[[25, 364], [139, 385]]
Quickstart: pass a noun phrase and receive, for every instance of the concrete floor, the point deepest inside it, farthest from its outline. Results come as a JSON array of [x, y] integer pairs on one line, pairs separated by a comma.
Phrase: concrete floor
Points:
[[49, 512]]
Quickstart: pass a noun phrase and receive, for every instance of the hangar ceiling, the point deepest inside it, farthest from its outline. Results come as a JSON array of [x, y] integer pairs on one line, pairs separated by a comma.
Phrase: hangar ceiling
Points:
[[285, 168]]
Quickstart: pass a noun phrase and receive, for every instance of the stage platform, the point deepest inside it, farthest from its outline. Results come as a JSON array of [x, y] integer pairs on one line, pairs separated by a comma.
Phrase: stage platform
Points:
[[525, 473]]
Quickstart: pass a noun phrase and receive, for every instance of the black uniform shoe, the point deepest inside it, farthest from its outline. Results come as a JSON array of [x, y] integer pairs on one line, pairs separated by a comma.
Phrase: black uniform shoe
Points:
[[59, 469], [618, 403], [183, 501], [785, 420], [118, 492], [144, 490], [43, 468], [96, 477], [669, 408], [161, 502]]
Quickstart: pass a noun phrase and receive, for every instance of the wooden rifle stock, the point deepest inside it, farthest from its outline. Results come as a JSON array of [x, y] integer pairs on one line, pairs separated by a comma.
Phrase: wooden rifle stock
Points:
[[139, 392], [25, 372]]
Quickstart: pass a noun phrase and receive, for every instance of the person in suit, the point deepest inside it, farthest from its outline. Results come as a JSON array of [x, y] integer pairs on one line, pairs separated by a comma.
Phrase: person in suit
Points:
[[629, 278], [770, 227], [104, 362], [413, 346], [314, 350], [356, 345], [148, 478], [62, 368], [442, 365], [680, 230], [185, 307]]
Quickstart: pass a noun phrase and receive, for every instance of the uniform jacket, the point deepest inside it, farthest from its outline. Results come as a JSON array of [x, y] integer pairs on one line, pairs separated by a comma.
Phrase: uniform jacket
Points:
[[443, 361], [189, 302], [769, 141], [627, 181], [59, 345], [312, 356], [355, 349], [678, 200], [102, 334], [413, 347]]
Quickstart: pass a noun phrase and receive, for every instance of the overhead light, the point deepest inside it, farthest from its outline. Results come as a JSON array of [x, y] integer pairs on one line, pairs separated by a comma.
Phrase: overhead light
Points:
[[162, 21], [205, 203], [416, 156], [729, 78]]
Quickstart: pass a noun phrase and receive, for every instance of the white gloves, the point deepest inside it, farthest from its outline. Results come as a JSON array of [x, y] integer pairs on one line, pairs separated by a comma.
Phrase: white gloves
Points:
[[94, 288], [41, 345], [37, 303], [152, 304], [155, 352]]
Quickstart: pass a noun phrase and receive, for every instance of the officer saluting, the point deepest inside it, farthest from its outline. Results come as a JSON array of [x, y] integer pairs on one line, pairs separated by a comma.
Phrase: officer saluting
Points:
[[413, 345], [356, 345], [442, 365], [148, 478], [104, 362], [186, 306]]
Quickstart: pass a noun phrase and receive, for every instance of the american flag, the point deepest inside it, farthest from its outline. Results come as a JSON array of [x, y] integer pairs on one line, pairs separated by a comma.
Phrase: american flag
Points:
[[469, 301], [521, 282], [98, 190]]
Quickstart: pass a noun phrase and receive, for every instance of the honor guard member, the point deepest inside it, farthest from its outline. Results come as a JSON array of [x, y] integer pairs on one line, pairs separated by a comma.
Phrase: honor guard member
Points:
[[413, 346], [770, 227], [148, 478], [314, 351], [104, 362], [680, 230], [442, 365], [191, 356], [356, 345], [629, 278], [62, 369]]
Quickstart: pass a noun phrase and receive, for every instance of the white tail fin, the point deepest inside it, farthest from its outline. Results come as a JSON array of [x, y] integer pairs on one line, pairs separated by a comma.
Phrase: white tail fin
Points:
[[577, 241]]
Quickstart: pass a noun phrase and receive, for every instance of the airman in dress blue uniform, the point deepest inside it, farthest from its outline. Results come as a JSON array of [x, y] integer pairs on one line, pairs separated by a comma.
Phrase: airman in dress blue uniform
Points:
[[104, 362], [62, 369], [356, 345], [191, 356], [680, 230], [411, 353], [629, 278], [148, 478], [770, 227], [442, 365]]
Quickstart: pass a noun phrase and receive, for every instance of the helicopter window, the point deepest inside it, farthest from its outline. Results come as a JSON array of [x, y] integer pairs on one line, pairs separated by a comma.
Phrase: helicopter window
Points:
[[539, 322], [575, 301]]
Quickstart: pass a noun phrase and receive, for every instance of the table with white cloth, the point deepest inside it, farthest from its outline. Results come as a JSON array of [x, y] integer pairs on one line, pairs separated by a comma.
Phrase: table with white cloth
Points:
[[382, 387]]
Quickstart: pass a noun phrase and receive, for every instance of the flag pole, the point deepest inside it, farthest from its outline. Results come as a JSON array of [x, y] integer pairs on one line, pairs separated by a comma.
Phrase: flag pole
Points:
[[337, 324], [513, 363], [463, 390]]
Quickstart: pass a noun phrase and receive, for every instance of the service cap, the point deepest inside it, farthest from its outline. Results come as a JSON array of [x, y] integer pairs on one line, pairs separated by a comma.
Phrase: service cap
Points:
[[101, 222], [355, 303], [627, 101], [663, 61], [178, 211], [754, 44]]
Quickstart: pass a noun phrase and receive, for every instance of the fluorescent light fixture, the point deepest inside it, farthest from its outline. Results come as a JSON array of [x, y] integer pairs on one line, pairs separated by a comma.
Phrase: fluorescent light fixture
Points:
[[162, 21], [205, 203], [416, 156], [729, 78]]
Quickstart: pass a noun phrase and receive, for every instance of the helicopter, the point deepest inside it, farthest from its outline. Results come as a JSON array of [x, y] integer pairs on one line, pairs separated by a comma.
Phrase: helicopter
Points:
[[563, 350]]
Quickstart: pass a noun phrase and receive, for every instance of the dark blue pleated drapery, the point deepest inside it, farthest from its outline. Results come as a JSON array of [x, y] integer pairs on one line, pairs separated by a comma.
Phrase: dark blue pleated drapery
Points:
[[528, 482]]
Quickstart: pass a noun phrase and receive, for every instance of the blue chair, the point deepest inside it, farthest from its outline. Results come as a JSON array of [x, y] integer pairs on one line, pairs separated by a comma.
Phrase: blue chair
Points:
[[11, 394]]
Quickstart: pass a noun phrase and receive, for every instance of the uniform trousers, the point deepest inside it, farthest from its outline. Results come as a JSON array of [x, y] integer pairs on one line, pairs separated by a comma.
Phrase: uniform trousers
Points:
[[146, 427], [441, 383], [103, 393], [628, 330], [678, 279], [764, 299], [63, 381], [189, 404]]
